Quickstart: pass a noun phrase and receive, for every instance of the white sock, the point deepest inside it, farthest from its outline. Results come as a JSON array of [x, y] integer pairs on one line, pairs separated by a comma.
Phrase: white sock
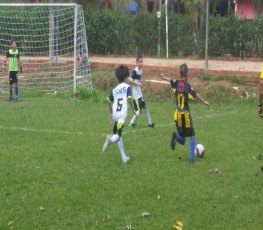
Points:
[[133, 120], [121, 148], [114, 138], [149, 120]]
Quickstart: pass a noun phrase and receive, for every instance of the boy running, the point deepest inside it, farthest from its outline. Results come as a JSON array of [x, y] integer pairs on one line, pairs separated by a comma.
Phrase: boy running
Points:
[[182, 117], [118, 110], [13, 55], [138, 100]]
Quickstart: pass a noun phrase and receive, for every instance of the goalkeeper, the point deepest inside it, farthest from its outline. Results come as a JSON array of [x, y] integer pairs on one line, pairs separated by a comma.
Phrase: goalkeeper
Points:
[[13, 57]]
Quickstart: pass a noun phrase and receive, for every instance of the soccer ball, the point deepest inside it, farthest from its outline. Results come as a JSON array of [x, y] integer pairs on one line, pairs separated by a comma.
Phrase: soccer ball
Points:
[[199, 150]]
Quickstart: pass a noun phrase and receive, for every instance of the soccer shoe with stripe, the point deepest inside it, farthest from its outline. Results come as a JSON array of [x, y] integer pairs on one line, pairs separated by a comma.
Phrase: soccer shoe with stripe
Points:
[[173, 140], [17, 98], [132, 125], [151, 125], [125, 159], [10, 98], [106, 143]]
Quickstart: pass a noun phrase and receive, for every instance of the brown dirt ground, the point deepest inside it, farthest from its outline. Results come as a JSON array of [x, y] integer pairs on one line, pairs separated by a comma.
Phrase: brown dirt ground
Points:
[[245, 71]]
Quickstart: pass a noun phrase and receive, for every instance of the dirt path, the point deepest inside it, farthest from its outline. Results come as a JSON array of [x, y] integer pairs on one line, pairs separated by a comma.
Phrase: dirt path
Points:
[[243, 68]]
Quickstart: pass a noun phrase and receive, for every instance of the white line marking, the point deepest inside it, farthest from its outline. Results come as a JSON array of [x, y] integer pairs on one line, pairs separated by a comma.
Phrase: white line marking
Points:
[[66, 132], [172, 123]]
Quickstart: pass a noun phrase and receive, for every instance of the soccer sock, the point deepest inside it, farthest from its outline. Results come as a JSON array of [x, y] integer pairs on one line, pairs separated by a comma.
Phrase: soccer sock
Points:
[[11, 93], [192, 148], [133, 120], [16, 90], [114, 138], [121, 148], [149, 120], [181, 140]]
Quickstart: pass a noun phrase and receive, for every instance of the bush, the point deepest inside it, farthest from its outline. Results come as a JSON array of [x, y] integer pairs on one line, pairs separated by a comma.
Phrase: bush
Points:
[[110, 33]]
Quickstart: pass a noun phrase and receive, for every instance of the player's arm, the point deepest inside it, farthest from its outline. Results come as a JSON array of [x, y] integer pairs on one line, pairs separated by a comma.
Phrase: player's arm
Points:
[[110, 100], [20, 62], [200, 98], [260, 97], [129, 96], [131, 79], [165, 78]]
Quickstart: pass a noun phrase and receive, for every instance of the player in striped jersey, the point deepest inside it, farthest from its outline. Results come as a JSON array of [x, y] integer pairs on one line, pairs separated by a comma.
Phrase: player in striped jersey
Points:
[[182, 117]]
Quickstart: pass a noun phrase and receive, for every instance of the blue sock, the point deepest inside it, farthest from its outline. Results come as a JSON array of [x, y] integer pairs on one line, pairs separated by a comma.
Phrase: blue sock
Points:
[[16, 90], [11, 93], [181, 140], [192, 148]]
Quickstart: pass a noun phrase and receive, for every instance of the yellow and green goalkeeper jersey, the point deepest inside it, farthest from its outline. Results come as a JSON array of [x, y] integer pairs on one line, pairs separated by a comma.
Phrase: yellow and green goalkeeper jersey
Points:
[[261, 74], [13, 56]]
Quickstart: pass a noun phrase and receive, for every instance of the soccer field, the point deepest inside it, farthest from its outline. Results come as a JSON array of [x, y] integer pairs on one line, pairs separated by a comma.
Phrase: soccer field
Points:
[[53, 174]]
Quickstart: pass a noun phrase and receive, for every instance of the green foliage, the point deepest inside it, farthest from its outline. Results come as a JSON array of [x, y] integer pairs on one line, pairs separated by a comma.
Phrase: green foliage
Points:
[[111, 33], [95, 95], [216, 77]]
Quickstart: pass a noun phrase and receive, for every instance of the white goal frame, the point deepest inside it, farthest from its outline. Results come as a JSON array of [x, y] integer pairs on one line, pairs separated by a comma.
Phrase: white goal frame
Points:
[[78, 16]]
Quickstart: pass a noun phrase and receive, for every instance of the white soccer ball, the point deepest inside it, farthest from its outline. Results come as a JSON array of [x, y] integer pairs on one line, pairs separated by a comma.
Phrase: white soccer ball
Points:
[[199, 150]]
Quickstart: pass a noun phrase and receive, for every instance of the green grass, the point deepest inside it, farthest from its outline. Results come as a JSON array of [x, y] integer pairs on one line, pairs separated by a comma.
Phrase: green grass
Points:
[[53, 174]]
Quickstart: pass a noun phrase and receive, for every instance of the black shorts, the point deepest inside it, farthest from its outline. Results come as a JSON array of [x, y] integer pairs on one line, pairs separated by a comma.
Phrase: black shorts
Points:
[[139, 104], [13, 77], [117, 128], [184, 124]]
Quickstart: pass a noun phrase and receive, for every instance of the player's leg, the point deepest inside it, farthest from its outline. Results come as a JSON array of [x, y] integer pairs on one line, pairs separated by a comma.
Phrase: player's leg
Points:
[[192, 149], [10, 79], [111, 139], [138, 110], [16, 86], [178, 118], [148, 117], [189, 132]]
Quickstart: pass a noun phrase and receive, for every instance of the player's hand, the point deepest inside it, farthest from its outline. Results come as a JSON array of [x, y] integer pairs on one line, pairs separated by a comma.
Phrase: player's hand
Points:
[[260, 112], [110, 118], [206, 103], [162, 76], [136, 113]]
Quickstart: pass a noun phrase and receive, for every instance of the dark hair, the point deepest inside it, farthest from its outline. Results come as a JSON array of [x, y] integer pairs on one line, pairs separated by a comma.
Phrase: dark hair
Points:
[[121, 73], [138, 57], [183, 70]]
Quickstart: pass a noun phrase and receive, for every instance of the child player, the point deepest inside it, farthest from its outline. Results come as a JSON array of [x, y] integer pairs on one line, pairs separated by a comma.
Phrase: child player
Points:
[[13, 55], [138, 100], [184, 124], [118, 110]]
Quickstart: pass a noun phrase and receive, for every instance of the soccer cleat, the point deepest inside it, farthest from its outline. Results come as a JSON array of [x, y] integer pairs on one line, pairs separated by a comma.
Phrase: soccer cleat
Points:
[[132, 125], [106, 143], [151, 125], [125, 159], [10, 98], [17, 98], [173, 140]]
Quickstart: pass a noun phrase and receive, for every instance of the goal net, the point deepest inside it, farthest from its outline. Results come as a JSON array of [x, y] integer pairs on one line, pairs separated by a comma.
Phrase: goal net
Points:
[[52, 42]]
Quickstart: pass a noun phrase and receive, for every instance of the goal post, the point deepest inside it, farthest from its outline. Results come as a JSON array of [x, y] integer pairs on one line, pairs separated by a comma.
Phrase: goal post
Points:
[[52, 42]]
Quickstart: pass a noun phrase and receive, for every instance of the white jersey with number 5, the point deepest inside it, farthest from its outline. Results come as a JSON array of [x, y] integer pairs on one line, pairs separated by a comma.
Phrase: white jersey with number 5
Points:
[[119, 96]]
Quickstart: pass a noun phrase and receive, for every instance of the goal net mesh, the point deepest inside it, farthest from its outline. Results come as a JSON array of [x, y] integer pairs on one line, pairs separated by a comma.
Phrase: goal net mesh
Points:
[[52, 42]]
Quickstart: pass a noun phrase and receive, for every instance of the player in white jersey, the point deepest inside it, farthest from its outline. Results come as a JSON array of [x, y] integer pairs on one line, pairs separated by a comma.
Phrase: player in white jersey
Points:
[[138, 100], [118, 108]]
